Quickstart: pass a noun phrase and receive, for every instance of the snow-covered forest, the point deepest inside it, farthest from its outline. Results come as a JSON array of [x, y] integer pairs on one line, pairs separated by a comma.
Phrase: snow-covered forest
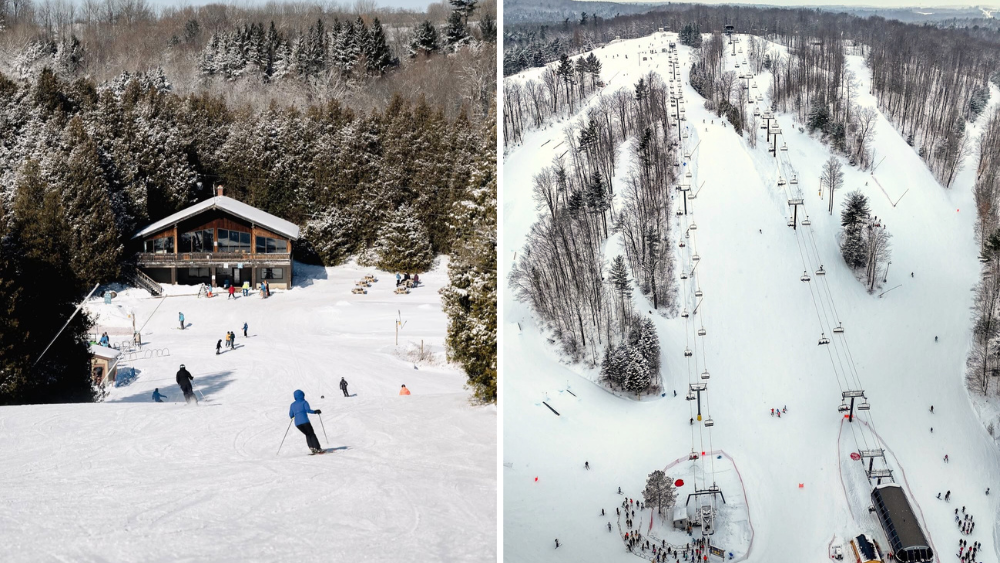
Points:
[[112, 117]]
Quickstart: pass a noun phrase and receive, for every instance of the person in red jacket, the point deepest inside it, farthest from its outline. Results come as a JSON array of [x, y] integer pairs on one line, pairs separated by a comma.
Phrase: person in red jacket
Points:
[[404, 391], [232, 292]]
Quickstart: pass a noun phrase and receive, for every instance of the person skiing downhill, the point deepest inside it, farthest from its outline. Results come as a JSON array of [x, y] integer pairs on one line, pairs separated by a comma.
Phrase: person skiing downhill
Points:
[[404, 390], [300, 410], [157, 396], [184, 380], [181, 317], [343, 386]]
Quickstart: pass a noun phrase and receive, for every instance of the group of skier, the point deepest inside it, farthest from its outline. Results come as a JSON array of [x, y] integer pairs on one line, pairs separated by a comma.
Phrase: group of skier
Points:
[[779, 411], [966, 552]]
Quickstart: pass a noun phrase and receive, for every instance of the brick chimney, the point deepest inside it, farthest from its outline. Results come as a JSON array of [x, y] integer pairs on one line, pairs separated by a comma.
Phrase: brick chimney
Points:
[[218, 190]]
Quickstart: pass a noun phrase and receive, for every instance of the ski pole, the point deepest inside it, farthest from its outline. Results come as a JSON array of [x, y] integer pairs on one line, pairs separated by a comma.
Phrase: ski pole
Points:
[[323, 426], [200, 393], [283, 437]]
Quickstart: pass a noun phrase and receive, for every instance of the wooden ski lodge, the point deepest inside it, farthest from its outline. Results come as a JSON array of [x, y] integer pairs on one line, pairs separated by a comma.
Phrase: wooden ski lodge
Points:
[[216, 241]]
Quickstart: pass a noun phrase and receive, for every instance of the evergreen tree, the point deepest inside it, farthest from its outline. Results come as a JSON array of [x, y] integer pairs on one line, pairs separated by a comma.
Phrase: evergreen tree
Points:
[[456, 33], [853, 218], [93, 236], [659, 491], [636, 374], [425, 39], [332, 236], [470, 298], [37, 298], [403, 245], [378, 56], [464, 8], [488, 28]]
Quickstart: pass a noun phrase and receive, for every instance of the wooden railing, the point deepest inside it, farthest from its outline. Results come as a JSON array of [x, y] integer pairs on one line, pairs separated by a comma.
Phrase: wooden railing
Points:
[[209, 258], [142, 280]]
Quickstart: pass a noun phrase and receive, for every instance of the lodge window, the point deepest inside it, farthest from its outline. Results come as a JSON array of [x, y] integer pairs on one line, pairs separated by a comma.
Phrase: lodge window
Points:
[[199, 273], [233, 241], [197, 241], [162, 245], [272, 273], [267, 245]]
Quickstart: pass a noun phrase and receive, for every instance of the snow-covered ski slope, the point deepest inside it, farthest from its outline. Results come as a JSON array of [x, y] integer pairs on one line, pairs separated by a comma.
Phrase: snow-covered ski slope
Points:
[[763, 326], [410, 478]]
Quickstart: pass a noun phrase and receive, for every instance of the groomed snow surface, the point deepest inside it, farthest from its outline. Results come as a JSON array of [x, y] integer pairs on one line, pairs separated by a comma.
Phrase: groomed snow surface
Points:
[[763, 326], [410, 478]]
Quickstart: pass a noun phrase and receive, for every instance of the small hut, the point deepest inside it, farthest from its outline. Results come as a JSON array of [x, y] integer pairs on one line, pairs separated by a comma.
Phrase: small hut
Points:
[[103, 364], [681, 519]]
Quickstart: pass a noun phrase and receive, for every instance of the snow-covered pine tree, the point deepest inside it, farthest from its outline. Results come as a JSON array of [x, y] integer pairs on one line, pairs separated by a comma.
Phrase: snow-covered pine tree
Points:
[[425, 40], [488, 28], [456, 33], [403, 245], [377, 54], [636, 375], [95, 248], [643, 337], [331, 234], [470, 298], [659, 491], [465, 8], [853, 218]]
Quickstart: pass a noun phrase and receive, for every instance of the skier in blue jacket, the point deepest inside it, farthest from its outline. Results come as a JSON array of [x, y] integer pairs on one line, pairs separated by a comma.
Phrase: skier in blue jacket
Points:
[[157, 396], [300, 412]]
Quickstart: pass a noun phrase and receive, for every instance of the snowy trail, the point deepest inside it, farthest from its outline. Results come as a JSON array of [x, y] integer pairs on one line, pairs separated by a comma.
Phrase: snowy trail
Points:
[[130, 479], [763, 326]]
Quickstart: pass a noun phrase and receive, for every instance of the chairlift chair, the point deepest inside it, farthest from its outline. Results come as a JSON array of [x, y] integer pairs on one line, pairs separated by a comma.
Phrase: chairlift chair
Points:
[[820, 271], [781, 181], [806, 222], [864, 406], [688, 175], [702, 332], [688, 353], [708, 422], [823, 339], [839, 329], [682, 244], [698, 293], [784, 147], [756, 112], [684, 313], [690, 397], [687, 154], [805, 276], [692, 195], [693, 226], [795, 180], [791, 222], [695, 257], [843, 407], [679, 213], [704, 375]]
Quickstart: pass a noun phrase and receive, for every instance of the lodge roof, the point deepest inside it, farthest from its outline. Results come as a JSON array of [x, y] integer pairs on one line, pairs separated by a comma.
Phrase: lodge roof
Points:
[[230, 205]]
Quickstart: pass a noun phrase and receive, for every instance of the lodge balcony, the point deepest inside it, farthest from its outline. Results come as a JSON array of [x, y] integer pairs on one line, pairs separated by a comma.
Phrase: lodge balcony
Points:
[[209, 259]]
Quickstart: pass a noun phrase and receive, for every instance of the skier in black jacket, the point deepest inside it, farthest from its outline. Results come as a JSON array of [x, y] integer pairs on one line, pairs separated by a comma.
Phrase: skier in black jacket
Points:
[[184, 380], [343, 386]]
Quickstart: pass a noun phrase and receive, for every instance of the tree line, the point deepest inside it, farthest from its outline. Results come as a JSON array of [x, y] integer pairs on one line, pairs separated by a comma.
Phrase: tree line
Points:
[[85, 165]]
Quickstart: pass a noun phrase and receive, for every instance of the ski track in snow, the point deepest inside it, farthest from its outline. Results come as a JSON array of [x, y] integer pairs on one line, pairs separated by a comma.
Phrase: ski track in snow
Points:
[[761, 344], [133, 480]]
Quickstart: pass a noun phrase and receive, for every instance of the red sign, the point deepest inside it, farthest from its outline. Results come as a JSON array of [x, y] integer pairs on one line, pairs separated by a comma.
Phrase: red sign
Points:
[[855, 456]]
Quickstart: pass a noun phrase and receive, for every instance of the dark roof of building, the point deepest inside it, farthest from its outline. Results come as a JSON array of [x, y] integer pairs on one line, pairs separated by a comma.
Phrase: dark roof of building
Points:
[[898, 520]]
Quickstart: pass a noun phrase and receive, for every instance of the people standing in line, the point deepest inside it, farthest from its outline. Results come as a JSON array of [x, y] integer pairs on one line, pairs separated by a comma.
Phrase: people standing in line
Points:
[[343, 386], [233, 336], [300, 411]]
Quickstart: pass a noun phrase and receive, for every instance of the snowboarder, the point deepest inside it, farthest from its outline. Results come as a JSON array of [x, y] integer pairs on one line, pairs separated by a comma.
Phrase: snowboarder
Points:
[[300, 412], [939, 495], [609, 526], [184, 380], [932, 406], [675, 392], [245, 327], [343, 386], [404, 390], [935, 339], [947, 495], [586, 464], [557, 543], [218, 347], [157, 396], [932, 429], [692, 421], [602, 512], [181, 316], [232, 292]]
